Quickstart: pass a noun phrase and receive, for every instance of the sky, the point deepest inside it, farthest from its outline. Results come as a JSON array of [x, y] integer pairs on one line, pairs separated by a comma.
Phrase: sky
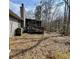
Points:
[[29, 5]]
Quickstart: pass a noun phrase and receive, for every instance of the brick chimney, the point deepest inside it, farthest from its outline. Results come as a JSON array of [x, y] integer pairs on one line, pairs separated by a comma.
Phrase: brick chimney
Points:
[[22, 10]]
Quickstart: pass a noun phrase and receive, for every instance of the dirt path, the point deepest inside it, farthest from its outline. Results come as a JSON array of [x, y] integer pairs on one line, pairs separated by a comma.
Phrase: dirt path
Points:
[[38, 46]]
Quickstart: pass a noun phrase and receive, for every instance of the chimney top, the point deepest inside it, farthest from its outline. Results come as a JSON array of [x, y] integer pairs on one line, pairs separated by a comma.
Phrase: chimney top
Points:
[[22, 4]]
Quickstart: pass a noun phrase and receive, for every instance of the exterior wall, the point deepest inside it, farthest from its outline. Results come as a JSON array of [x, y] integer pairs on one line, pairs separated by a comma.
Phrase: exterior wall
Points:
[[13, 24]]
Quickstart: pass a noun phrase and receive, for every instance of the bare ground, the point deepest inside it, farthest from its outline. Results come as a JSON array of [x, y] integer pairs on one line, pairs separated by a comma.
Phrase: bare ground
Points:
[[38, 46]]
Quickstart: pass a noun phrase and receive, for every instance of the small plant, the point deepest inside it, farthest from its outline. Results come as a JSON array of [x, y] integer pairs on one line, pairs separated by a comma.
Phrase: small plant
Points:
[[60, 55]]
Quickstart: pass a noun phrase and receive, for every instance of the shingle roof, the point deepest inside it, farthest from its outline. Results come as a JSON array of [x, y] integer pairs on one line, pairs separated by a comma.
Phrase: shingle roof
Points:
[[11, 13]]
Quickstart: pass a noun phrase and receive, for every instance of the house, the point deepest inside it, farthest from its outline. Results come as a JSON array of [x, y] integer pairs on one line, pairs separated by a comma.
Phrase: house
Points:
[[28, 25], [15, 21], [33, 26]]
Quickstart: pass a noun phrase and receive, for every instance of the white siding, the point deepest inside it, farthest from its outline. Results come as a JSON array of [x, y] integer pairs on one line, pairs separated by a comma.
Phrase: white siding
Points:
[[13, 24]]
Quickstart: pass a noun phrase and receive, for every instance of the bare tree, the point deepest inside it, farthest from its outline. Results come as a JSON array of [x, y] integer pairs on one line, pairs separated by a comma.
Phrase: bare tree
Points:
[[66, 23], [52, 16], [38, 12]]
